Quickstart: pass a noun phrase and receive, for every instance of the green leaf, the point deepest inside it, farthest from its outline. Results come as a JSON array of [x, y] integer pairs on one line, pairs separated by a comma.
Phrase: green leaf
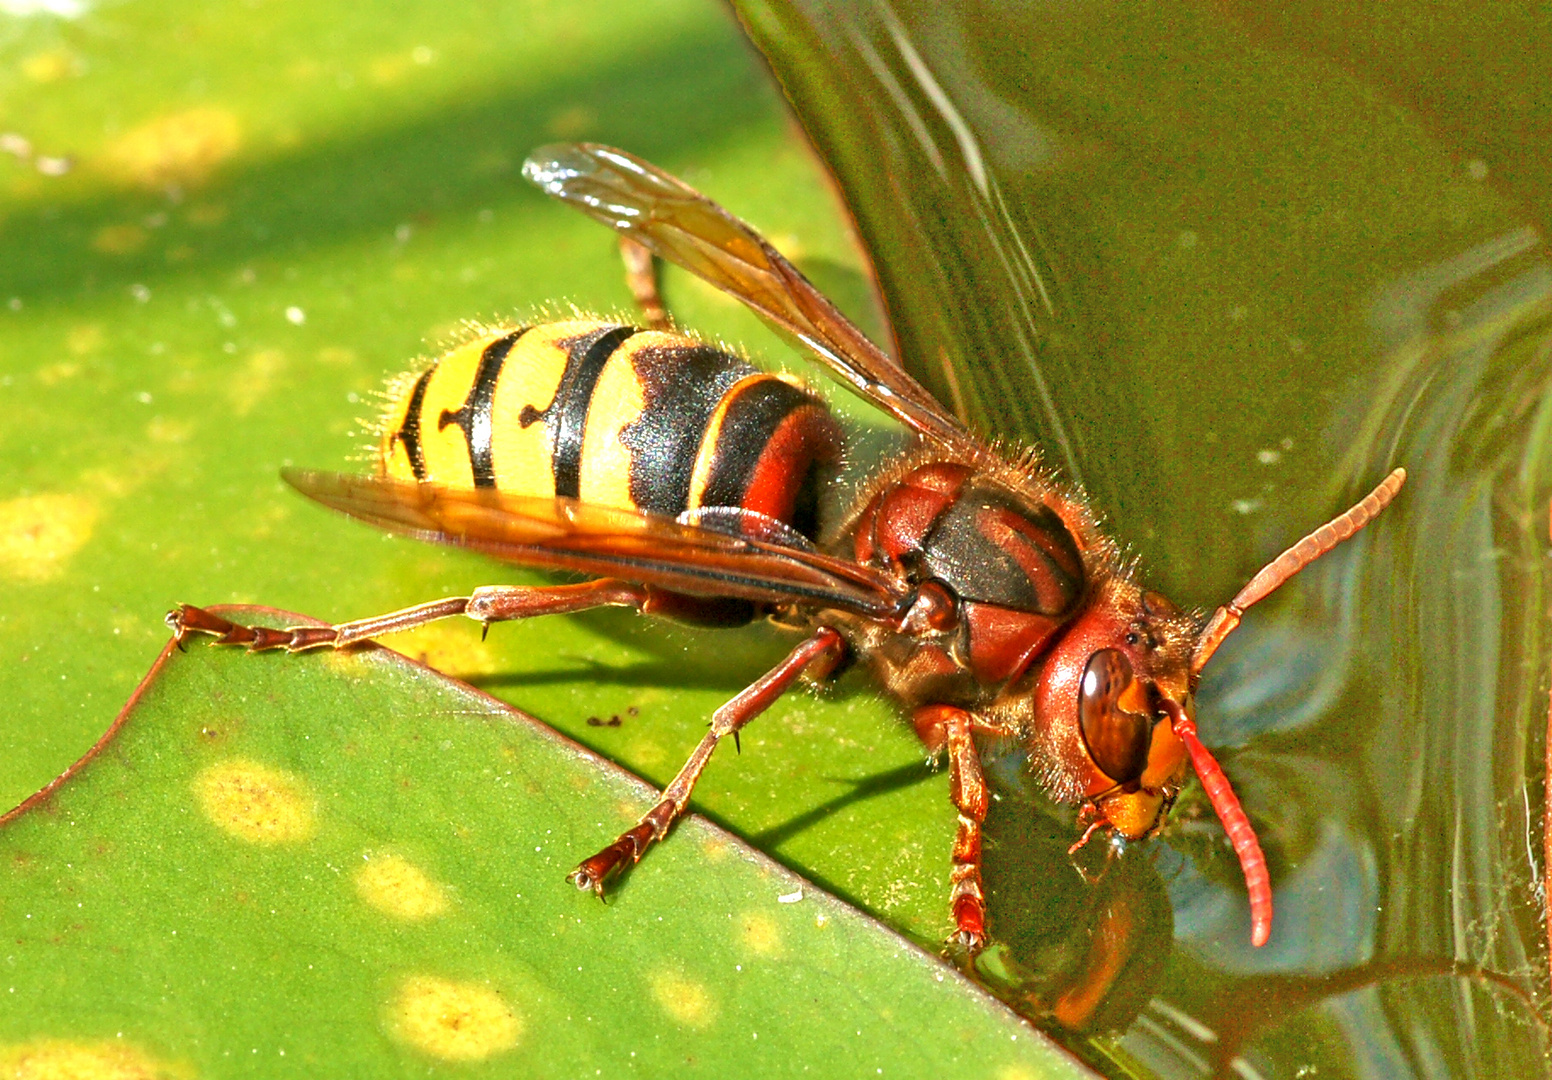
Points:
[[344, 863], [271, 211], [224, 228]]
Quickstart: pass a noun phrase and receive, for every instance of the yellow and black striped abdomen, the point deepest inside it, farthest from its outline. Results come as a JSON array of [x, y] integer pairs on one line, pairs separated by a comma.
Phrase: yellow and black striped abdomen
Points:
[[608, 414]]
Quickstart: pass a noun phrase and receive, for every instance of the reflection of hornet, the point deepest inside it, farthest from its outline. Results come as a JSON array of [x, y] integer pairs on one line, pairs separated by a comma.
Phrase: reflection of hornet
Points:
[[978, 589], [1091, 957]]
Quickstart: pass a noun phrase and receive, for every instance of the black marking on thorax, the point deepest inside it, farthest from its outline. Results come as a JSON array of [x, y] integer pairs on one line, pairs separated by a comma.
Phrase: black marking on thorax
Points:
[[565, 418], [958, 553], [409, 431], [473, 416]]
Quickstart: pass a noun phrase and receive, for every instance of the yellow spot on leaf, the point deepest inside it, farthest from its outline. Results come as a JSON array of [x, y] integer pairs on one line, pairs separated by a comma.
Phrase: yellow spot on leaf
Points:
[[759, 933], [790, 245], [57, 1059], [343, 661], [449, 336], [120, 239], [49, 374], [491, 163], [385, 70], [454, 1021], [119, 484], [39, 533], [451, 648], [50, 65], [686, 1001], [710, 293], [85, 338], [397, 887], [1015, 1072], [206, 214], [183, 148], [255, 802], [255, 380], [163, 430], [646, 752]]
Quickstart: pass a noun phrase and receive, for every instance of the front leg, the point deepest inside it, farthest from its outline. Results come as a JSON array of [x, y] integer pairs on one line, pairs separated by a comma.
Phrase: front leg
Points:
[[945, 727]]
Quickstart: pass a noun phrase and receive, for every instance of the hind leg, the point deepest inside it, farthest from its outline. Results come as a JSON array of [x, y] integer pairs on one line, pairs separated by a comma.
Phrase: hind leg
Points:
[[493, 603]]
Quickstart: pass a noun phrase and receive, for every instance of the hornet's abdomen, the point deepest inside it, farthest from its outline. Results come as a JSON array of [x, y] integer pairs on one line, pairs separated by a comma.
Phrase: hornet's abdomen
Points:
[[608, 414]]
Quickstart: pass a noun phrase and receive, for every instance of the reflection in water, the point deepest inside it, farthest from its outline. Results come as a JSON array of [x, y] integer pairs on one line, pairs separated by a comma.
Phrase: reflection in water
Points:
[[1291, 671], [1420, 842], [1160, 247]]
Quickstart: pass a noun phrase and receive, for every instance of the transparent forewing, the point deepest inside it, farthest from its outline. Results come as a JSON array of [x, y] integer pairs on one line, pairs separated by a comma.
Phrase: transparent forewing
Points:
[[568, 535], [686, 228], [915, 108]]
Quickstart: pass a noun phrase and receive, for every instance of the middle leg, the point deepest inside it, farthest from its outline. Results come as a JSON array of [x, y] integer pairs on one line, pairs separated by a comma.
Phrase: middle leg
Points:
[[825, 647], [951, 728]]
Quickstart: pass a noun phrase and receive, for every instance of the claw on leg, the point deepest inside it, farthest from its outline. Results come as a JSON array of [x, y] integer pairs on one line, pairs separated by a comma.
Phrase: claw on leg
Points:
[[969, 905], [624, 853], [1095, 825], [186, 619]]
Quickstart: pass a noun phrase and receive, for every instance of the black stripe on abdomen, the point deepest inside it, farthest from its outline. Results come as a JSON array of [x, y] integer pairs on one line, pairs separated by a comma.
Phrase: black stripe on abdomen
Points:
[[566, 418], [681, 387], [409, 431], [747, 426], [473, 416]]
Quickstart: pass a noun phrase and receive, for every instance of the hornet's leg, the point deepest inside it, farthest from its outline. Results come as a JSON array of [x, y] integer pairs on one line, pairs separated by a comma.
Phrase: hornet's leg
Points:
[[641, 276], [950, 728], [825, 648], [492, 603]]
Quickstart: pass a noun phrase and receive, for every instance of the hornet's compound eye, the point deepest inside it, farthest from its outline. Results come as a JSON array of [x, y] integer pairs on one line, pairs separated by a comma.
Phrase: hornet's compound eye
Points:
[[1117, 737]]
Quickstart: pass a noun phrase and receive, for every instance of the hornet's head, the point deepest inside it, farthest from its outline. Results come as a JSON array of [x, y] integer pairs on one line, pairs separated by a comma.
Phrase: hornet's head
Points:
[[1119, 684], [1108, 691]]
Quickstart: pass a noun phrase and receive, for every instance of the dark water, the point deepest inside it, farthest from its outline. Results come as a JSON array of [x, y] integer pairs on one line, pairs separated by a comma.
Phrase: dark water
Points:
[[1228, 269]]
